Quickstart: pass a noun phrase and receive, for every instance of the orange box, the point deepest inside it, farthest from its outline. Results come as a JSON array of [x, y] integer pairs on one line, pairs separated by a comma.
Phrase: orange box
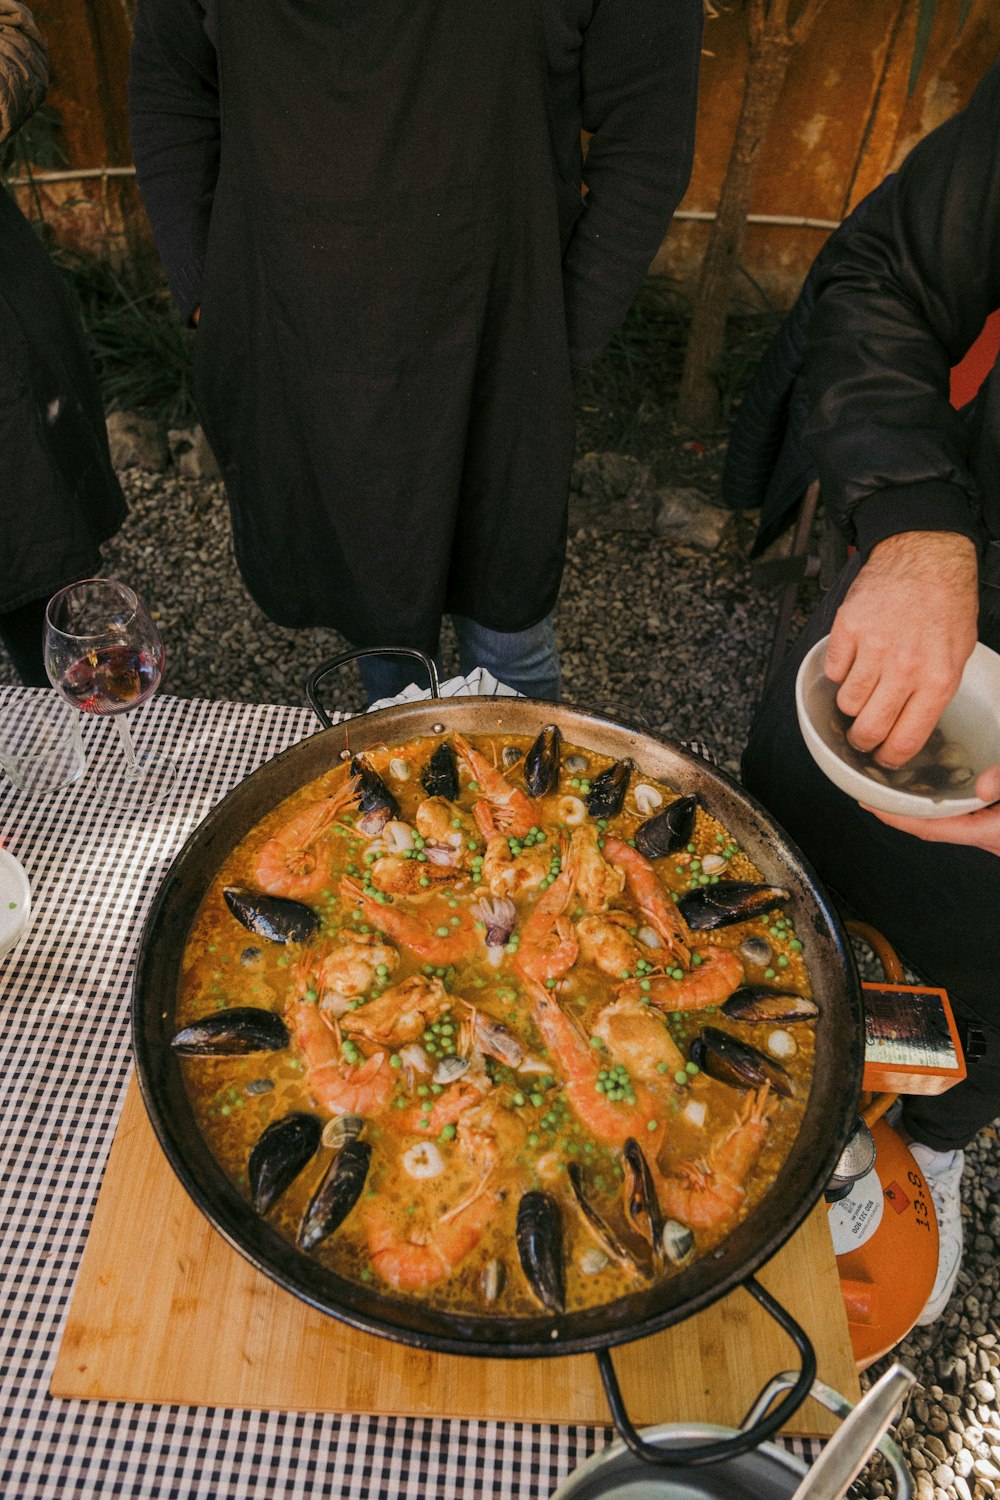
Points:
[[911, 1040]]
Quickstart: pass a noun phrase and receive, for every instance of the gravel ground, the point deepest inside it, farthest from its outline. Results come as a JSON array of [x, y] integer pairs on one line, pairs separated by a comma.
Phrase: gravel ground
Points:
[[666, 634]]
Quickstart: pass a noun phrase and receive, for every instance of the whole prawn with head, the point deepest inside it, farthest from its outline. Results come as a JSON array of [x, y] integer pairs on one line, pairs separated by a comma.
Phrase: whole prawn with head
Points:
[[297, 861], [502, 808], [708, 1193], [429, 927]]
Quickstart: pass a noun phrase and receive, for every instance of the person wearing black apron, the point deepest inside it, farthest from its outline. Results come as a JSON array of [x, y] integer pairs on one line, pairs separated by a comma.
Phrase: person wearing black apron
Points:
[[374, 212]]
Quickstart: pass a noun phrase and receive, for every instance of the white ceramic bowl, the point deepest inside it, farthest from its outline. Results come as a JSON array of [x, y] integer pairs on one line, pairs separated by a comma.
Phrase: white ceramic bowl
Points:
[[972, 718], [15, 902]]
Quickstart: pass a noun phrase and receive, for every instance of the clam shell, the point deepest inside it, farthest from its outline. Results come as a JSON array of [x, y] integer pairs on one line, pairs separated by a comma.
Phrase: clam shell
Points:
[[677, 1241], [341, 1129], [493, 1279], [450, 1068]]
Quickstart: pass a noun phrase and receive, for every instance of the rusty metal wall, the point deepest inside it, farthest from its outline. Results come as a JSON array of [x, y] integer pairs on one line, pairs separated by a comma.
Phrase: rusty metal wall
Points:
[[845, 119]]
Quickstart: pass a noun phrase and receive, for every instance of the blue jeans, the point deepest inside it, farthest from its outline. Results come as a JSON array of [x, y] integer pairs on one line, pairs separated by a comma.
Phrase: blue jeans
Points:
[[527, 660]]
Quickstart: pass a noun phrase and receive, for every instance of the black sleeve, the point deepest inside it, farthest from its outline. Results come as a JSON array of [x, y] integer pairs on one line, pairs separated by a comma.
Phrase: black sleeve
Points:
[[640, 61], [897, 306], [174, 106]]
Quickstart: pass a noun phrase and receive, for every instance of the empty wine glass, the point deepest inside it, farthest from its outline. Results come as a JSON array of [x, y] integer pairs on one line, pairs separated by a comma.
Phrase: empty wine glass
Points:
[[105, 655]]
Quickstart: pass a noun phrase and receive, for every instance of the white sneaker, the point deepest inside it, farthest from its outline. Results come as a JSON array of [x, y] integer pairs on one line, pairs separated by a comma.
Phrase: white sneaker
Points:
[[942, 1172]]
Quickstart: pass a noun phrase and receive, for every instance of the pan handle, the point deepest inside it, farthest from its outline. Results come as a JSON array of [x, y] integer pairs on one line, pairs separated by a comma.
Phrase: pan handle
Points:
[[342, 660], [841, 1407], [740, 1442]]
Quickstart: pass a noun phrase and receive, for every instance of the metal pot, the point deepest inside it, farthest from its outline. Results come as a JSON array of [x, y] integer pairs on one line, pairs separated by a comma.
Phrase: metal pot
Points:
[[828, 1118], [768, 1472]]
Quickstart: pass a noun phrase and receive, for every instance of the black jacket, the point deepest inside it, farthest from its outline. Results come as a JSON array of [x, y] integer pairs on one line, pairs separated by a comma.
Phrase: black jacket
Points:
[[901, 302]]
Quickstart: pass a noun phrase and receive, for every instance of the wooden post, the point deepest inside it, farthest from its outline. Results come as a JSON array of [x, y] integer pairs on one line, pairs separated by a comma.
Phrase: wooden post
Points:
[[88, 42]]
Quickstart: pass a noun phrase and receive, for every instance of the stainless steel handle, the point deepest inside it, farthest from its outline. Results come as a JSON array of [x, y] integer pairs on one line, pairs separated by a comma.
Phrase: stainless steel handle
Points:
[[862, 1432]]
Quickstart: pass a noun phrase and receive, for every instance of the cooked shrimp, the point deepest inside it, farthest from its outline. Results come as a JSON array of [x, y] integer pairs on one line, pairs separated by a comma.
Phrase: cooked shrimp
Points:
[[344, 1088], [509, 874], [635, 1034], [653, 899], [548, 944], [503, 808], [607, 941], [709, 983], [433, 930], [612, 1121], [344, 970], [411, 1251], [399, 1014], [710, 1192], [296, 862], [491, 1132], [398, 876], [597, 881], [436, 820]]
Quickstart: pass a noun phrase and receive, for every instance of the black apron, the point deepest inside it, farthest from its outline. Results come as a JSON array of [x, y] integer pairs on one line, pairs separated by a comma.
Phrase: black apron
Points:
[[382, 362]]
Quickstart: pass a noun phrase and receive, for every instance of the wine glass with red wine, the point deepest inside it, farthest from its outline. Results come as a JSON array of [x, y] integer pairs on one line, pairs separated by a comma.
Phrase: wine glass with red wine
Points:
[[105, 655]]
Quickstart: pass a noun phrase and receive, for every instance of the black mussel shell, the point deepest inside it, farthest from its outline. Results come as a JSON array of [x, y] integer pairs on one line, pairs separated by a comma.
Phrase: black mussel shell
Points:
[[336, 1195], [439, 778], [272, 917], [375, 795], [282, 1151], [728, 1060], [603, 1231], [710, 906], [669, 830], [642, 1207], [540, 1248], [232, 1033], [758, 1003], [607, 791], [541, 764]]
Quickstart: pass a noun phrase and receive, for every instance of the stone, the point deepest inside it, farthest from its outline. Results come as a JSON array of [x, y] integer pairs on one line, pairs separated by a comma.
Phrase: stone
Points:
[[984, 1392], [924, 1487], [190, 453], [936, 1448], [609, 476], [686, 516], [944, 1476], [136, 442]]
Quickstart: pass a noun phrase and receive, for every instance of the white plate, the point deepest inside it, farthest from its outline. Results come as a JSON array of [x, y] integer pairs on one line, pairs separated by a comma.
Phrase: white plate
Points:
[[972, 718], [15, 902]]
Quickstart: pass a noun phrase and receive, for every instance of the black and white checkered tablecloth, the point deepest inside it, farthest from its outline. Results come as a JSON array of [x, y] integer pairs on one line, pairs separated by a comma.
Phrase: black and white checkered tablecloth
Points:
[[64, 1065]]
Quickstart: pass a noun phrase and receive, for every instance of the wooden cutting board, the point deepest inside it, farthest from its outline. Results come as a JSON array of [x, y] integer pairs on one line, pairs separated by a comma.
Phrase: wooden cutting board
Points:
[[165, 1311]]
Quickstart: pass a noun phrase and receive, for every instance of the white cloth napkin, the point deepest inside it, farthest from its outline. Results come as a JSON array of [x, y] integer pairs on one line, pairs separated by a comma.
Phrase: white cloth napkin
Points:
[[478, 684]]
